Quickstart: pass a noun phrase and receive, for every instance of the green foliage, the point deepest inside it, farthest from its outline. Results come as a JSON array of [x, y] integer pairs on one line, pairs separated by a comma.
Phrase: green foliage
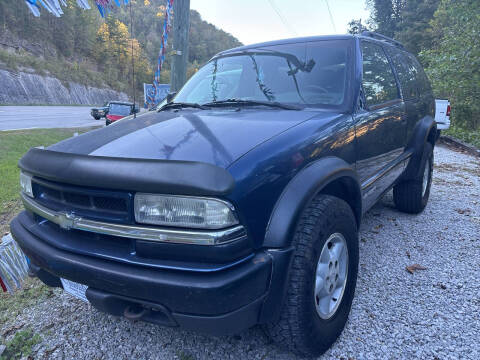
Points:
[[21, 345], [385, 15], [405, 20], [413, 28], [355, 26], [59, 68], [468, 136], [182, 355], [453, 61]]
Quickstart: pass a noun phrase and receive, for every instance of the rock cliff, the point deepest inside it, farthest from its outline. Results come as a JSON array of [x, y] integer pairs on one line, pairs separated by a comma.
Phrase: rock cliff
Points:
[[17, 88]]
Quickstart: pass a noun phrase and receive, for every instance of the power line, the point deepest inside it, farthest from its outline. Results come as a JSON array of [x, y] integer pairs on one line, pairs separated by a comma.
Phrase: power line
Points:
[[331, 17], [282, 18]]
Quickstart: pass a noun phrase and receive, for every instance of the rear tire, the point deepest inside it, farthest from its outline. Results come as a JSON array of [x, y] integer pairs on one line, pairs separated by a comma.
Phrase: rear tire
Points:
[[305, 327], [411, 196]]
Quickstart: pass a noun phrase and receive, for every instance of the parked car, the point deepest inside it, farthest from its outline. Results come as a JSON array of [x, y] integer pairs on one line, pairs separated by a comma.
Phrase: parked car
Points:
[[442, 114], [118, 110], [238, 202], [98, 113]]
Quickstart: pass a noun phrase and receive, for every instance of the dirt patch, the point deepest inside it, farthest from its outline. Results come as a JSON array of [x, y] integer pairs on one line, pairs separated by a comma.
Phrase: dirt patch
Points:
[[456, 168], [440, 181]]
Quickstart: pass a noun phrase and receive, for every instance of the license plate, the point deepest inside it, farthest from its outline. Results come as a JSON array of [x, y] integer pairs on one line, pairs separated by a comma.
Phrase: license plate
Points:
[[75, 289]]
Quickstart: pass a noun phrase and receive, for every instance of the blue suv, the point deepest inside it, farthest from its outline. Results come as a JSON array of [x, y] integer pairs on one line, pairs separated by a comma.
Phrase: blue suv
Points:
[[239, 201]]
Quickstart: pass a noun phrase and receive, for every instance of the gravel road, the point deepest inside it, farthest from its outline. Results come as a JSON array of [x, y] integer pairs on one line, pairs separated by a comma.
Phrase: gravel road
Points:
[[431, 314]]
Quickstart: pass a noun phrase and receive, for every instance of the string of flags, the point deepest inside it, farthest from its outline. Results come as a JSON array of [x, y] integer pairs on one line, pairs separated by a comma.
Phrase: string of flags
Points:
[[55, 6], [167, 25]]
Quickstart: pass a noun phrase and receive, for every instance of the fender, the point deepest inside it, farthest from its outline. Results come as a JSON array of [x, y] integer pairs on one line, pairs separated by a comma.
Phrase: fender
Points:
[[301, 189], [421, 134]]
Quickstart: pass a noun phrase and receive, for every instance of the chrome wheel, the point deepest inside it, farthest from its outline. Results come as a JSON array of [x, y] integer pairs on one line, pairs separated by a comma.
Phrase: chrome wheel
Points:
[[426, 174], [331, 275]]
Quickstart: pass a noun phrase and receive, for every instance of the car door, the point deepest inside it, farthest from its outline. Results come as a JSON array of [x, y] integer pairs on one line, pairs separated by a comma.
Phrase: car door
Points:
[[380, 125], [407, 76]]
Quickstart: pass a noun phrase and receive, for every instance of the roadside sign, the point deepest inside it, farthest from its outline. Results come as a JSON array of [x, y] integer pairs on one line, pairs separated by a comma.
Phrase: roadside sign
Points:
[[149, 94]]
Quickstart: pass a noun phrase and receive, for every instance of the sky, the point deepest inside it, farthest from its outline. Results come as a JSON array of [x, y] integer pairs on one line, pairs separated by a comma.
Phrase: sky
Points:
[[253, 21]]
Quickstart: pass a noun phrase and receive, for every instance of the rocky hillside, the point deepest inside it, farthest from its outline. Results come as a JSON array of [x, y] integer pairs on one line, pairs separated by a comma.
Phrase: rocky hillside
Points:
[[25, 88]]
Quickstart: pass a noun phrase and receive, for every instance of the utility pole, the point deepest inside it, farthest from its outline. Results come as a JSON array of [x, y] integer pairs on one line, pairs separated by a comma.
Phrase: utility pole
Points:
[[181, 29], [133, 62]]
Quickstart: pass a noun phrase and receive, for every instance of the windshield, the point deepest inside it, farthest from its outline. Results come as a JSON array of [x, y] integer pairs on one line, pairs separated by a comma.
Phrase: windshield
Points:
[[307, 74], [119, 109]]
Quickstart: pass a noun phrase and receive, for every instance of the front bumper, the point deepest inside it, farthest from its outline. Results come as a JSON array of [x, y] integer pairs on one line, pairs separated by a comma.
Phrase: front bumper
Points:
[[221, 302]]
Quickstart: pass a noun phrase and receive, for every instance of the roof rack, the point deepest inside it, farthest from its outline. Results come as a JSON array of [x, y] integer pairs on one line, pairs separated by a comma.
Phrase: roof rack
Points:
[[381, 37]]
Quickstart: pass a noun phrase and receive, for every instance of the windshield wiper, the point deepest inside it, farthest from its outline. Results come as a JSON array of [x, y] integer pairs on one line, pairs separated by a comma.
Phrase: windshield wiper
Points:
[[180, 105], [253, 102]]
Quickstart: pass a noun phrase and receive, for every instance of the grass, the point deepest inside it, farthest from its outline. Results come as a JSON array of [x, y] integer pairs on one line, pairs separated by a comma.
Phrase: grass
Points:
[[468, 136], [184, 356], [13, 145], [21, 345]]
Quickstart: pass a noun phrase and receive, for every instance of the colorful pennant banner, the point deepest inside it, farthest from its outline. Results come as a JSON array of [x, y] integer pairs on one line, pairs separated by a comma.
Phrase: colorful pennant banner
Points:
[[167, 24], [55, 6]]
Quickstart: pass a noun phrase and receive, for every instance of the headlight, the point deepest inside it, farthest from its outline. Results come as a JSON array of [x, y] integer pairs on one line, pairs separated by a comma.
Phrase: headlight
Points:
[[183, 211], [26, 184]]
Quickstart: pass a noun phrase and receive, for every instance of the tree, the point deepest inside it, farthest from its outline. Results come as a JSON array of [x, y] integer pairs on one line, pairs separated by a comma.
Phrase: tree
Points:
[[385, 15], [453, 62], [355, 26], [407, 21], [114, 53], [413, 27]]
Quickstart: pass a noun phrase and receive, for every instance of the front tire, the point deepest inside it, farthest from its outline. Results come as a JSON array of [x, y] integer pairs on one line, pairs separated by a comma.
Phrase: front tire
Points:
[[322, 278], [411, 196]]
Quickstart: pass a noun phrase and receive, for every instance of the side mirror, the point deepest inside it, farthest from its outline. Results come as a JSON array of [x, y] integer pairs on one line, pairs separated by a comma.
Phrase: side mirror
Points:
[[170, 96]]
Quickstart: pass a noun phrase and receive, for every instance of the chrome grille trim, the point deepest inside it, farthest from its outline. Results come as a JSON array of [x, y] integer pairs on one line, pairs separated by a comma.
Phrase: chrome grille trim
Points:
[[71, 221]]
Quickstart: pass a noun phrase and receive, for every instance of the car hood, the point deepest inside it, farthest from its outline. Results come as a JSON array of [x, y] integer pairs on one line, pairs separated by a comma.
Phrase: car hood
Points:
[[218, 137]]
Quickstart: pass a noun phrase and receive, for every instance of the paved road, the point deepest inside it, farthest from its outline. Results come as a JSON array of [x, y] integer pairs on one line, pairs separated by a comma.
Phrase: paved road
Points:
[[31, 117]]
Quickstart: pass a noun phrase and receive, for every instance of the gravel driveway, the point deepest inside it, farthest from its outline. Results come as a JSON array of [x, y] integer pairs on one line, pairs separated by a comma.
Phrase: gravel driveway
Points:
[[431, 314]]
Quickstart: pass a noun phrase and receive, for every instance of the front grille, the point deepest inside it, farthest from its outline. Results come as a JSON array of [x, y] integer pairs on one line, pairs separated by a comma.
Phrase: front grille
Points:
[[109, 203], [95, 204]]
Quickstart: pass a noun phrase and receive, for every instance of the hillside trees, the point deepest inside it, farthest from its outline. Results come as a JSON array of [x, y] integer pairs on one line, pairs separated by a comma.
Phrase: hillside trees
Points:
[[453, 59], [114, 54]]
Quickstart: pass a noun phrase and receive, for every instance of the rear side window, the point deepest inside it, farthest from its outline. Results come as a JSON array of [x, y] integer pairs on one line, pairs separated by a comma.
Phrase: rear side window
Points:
[[378, 81], [406, 72], [412, 78], [422, 80]]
